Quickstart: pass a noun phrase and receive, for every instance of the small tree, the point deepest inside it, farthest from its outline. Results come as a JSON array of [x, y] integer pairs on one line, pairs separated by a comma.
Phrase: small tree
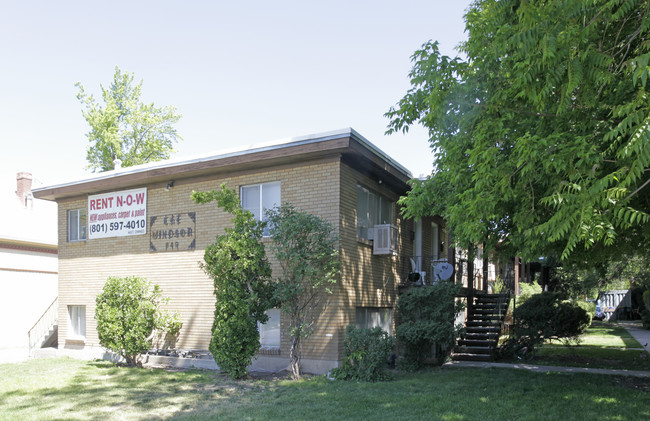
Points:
[[125, 128], [242, 285], [306, 247], [427, 318], [128, 314]]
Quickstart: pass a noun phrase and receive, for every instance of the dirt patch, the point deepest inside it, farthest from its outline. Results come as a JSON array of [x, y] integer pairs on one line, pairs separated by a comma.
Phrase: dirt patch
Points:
[[580, 361], [634, 383], [280, 375]]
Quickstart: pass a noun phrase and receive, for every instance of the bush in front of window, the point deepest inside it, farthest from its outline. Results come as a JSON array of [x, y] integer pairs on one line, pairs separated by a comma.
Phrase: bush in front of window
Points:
[[129, 313], [365, 355], [427, 319], [237, 264]]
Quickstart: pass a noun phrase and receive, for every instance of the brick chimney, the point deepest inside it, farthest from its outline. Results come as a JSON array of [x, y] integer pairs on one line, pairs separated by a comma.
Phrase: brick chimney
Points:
[[24, 188]]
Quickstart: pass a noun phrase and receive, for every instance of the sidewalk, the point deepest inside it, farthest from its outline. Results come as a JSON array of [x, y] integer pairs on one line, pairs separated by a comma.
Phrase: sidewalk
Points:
[[635, 328], [547, 368]]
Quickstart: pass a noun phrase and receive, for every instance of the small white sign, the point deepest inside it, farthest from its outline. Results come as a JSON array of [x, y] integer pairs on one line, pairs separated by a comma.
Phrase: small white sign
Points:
[[117, 214]]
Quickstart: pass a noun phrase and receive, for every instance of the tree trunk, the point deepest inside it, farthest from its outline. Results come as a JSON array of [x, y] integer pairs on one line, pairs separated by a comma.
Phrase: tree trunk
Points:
[[294, 358]]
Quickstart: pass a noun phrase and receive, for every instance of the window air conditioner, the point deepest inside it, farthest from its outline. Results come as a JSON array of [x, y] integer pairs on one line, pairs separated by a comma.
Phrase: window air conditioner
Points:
[[385, 239]]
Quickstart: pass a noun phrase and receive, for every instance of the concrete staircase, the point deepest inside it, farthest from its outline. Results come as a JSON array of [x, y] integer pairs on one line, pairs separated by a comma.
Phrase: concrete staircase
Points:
[[44, 333], [50, 339], [483, 328]]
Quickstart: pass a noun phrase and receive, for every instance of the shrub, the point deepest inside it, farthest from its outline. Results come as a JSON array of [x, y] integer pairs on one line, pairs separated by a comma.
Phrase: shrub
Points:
[[589, 307], [128, 313], [427, 318], [645, 319], [237, 264], [527, 290], [545, 316], [365, 355], [499, 286], [646, 299]]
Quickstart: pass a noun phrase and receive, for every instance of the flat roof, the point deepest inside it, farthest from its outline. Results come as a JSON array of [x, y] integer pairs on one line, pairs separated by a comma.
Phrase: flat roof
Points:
[[309, 146]]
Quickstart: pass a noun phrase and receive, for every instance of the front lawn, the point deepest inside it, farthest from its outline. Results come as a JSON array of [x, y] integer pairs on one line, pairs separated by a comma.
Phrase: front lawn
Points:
[[69, 389], [603, 345]]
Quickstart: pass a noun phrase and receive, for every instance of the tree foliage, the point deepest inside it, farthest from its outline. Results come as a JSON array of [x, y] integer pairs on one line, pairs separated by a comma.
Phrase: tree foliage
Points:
[[306, 247], [542, 134], [237, 263], [128, 313], [124, 128]]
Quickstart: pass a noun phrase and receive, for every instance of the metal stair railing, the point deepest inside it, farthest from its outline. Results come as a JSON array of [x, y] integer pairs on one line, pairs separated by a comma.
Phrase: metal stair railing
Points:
[[49, 319]]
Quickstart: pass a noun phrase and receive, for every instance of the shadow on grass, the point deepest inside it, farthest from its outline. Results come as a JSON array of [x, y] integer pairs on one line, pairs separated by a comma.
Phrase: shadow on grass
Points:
[[602, 346], [101, 391]]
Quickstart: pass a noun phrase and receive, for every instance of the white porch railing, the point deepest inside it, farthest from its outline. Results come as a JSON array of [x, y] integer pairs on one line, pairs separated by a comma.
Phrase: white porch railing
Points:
[[47, 321]]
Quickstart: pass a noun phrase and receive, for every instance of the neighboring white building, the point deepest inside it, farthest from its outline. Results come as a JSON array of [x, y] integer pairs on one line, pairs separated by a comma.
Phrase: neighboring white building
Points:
[[28, 263]]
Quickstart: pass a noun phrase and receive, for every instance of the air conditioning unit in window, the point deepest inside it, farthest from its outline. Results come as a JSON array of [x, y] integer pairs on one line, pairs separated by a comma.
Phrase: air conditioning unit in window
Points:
[[385, 239]]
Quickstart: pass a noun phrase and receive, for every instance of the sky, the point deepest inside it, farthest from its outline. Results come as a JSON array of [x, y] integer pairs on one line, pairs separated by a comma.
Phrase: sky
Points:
[[240, 72]]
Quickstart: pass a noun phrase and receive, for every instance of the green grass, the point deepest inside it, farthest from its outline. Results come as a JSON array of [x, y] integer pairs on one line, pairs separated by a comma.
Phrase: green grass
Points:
[[69, 389], [603, 345]]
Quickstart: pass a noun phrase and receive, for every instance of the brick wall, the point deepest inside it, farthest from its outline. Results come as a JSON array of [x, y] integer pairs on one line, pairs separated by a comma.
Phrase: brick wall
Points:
[[84, 266], [368, 280]]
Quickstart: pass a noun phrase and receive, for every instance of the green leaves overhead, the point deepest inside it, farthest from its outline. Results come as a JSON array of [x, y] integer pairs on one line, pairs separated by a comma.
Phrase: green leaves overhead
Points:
[[124, 128], [542, 135]]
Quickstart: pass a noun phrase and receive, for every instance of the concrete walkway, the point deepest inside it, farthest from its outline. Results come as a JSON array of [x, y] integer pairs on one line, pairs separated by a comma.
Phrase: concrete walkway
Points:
[[547, 368], [635, 328]]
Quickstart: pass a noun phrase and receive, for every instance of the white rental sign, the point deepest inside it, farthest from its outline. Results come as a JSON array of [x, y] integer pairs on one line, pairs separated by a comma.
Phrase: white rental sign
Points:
[[117, 214]]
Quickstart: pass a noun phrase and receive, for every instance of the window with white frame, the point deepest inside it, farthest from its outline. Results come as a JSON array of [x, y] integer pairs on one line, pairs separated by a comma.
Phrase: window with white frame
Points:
[[270, 331], [369, 317], [77, 318], [372, 209], [259, 198], [77, 225]]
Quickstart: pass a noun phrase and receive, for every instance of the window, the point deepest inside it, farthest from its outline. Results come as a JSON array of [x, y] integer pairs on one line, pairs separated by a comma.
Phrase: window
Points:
[[259, 198], [77, 315], [369, 317], [77, 225], [270, 331], [372, 209]]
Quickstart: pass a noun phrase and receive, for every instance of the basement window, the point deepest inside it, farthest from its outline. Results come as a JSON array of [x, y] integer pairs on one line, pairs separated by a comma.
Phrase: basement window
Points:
[[270, 331], [77, 319], [369, 317]]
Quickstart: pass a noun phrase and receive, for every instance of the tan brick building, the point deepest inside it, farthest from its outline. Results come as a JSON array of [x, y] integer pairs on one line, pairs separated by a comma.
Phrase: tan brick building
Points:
[[162, 236]]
